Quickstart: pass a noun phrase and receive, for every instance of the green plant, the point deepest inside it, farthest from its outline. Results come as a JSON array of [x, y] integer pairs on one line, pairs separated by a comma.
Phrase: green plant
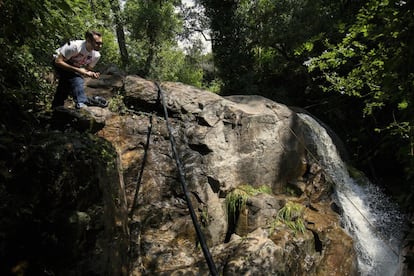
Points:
[[116, 104], [292, 216], [236, 199], [215, 86], [204, 216]]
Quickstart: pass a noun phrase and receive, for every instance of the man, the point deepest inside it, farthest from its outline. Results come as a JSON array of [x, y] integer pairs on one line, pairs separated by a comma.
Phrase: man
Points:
[[74, 61]]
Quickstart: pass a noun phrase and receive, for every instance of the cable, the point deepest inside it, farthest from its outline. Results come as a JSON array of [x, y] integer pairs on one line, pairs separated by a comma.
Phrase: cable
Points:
[[144, 159], [141, 172], [206, 252]]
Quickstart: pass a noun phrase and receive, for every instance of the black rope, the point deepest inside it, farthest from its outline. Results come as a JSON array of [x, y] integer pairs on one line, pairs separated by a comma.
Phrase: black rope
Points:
[[141, 172], [144, 160], [207, 255]]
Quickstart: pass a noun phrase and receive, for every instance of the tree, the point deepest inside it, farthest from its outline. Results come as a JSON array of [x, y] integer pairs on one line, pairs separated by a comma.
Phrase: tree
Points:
[[261, 46], [231, 48], [119, 27], [30, 31], [152, 25], [373, 64]]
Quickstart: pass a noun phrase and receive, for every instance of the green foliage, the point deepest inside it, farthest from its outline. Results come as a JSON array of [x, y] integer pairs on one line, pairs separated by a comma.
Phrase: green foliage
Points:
[[151, 20], [371, 64], [109, 51], [191, 71], [292, 216], [232, 50], [260, 46], [22, 24], [30, 31], [236, 199], [116, 104], [153, 25], [169, 64], [23, 76], [291, 51], [189, 75], [215, 86]]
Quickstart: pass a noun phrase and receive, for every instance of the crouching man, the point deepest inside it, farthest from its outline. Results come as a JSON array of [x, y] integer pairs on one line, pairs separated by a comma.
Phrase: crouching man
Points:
[[74, 61]]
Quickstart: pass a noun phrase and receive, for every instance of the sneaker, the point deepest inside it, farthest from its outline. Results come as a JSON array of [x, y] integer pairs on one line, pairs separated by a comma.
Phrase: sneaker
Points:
[[97, 101], [80, 105], [101, 100]]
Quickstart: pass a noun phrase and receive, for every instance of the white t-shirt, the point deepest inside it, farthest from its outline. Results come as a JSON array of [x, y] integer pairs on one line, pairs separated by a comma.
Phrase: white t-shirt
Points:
[[75, 53]]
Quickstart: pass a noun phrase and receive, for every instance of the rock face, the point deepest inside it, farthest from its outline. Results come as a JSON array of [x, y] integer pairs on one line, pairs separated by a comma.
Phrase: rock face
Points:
[[62, 211], [243, 160], [222, 143]]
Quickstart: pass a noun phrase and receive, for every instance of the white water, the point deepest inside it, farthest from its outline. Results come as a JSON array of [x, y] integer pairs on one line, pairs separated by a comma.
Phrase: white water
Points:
[[368, 215]]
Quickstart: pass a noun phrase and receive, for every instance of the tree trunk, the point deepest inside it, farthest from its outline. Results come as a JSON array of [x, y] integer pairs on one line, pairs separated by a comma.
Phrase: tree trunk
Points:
[[119, 27]]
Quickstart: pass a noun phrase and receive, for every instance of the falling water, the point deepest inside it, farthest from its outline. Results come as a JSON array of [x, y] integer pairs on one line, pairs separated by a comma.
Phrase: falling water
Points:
[[368, 215]]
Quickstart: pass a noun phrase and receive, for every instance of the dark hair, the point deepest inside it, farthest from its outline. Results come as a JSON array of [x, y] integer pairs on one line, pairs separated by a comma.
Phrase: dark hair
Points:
[[90, 34]]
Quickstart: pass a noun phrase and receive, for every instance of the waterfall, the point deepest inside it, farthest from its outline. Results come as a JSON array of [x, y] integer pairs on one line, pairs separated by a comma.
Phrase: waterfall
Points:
[[369, 217]]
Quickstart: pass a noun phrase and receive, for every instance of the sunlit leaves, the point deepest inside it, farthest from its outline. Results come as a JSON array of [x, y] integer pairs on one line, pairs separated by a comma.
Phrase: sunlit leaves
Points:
[[403, 104], [374, 62], [305, 47], [30, 31], [153, 25]]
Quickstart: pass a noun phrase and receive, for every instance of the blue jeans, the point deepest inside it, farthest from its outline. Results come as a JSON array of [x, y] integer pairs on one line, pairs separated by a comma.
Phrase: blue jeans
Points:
[[70, 83]]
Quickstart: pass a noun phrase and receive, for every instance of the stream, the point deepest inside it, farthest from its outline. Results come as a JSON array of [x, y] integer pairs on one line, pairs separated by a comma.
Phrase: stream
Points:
[[369, 216]]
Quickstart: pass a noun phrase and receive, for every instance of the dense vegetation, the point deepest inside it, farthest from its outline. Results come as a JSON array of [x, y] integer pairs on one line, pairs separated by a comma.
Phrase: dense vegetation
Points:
[[348, 62]]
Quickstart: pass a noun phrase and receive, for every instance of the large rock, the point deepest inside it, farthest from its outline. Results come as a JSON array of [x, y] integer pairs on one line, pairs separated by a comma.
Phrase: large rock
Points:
[[222, 143], [241, 139], [63, 211]]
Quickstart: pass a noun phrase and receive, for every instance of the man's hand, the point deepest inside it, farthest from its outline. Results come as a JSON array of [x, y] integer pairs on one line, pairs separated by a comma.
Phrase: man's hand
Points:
[[94, 75], [87, 73], [60, 62]]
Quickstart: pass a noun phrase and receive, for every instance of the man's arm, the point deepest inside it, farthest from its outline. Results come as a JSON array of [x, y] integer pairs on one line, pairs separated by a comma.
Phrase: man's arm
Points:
[[96, 74], [61, 63]]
